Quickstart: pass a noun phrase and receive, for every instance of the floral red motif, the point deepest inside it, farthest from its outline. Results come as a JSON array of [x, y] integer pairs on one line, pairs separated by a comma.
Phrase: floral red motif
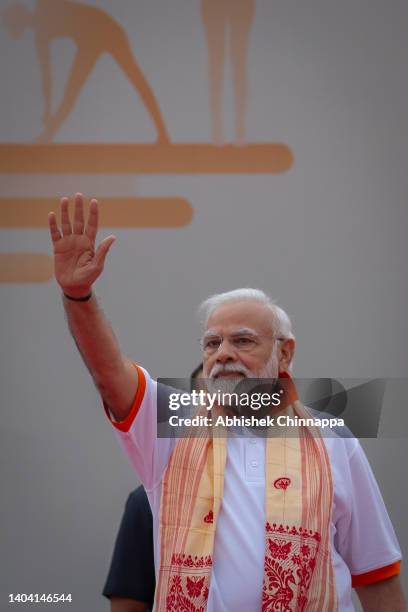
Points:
[[279, 548], [194, 586], [188, 591], [277, 591], [289, 563], [282, 483], [188, 561], [305, 550], [209, 518]]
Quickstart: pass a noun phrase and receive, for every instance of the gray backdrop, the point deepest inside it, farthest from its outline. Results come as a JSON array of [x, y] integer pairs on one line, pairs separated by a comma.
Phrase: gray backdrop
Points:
[[327, 239]]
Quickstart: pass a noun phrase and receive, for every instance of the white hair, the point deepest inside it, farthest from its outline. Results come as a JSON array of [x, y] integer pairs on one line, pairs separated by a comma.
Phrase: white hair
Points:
[[281, 324]]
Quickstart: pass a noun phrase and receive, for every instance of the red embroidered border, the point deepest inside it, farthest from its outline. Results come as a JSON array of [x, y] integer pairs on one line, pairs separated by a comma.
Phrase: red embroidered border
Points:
[[305, 533], [183, 560]]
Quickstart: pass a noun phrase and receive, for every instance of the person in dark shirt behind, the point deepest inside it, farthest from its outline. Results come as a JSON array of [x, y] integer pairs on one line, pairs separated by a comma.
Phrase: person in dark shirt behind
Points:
[[131, 579], [130, 582]]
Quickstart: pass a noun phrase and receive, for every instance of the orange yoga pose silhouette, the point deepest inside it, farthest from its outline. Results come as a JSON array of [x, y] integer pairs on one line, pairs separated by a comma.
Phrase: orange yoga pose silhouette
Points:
[[219, 16], [94, 32]]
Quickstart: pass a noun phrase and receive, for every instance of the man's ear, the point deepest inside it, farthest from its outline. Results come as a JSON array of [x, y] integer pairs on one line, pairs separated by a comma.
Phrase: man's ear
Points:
[[286, 353]]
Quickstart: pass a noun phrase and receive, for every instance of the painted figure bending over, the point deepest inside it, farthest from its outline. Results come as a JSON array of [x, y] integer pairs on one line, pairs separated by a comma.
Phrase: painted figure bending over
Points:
[[94, 32]]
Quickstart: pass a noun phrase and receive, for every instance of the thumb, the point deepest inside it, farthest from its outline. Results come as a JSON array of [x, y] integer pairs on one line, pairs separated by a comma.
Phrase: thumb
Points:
[[103, 249]]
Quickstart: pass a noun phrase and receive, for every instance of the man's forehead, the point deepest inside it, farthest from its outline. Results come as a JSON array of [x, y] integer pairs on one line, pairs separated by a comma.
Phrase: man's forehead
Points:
[[241, 314]]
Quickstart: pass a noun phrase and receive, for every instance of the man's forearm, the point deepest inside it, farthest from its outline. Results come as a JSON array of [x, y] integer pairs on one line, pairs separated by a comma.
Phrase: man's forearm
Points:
[[383, 596], [113, 374]]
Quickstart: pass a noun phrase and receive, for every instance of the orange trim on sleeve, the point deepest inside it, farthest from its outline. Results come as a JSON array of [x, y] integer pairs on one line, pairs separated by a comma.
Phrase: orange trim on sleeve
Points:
[[126, 424], [376, 575]]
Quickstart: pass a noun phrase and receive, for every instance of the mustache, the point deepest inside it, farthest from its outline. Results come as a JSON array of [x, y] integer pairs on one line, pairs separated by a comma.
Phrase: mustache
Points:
[[230, 368]]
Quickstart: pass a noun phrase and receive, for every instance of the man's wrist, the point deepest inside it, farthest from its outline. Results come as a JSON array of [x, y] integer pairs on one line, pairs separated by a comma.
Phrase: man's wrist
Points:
[[78, 298]]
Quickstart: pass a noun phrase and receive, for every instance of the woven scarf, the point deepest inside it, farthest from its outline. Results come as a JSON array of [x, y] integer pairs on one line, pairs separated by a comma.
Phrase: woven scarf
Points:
[[298, 571]]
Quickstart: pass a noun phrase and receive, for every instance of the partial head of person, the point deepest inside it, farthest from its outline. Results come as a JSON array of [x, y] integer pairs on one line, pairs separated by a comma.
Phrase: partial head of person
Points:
[[246, 335], [197, 378], [16, 18]]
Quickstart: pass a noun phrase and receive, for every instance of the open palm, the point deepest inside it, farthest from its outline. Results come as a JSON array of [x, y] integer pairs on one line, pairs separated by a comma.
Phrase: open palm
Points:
[[77, 265]]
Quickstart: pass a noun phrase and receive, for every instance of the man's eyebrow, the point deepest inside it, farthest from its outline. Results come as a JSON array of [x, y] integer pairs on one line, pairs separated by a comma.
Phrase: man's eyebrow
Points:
[[247, 331], [210, 333]]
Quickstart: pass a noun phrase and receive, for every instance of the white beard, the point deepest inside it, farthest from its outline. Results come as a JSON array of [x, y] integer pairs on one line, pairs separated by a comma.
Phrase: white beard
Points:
[[228, 385], [222, 385]]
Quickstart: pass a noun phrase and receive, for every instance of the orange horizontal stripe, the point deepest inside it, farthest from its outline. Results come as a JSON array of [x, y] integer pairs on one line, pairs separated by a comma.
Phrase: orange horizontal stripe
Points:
[[25, 268], [113, 212], [376, 575], [259, 158], [126, 424]]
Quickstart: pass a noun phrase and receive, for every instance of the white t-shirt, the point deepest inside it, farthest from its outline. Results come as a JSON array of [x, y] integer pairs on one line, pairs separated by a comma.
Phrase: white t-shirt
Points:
[[363, 539]]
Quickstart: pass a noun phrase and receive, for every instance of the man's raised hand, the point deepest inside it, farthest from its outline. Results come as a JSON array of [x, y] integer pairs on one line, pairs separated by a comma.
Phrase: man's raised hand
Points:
[[76, 263]]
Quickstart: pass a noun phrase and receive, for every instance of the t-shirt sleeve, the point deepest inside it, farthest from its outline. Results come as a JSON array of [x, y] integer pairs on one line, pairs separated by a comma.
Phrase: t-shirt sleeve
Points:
[[131, 573], [148, 453], [368, 543]]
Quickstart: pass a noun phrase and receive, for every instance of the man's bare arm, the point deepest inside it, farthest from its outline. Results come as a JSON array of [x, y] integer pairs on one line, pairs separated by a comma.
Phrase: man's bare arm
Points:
[[77, 266], [383, 596], [113, 374]]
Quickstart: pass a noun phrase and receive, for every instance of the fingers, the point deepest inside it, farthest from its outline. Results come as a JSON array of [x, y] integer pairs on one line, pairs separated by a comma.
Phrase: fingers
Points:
[[91, 228], [79, 215], [54, 231], [65, 222], [102, 250], [92, 225]]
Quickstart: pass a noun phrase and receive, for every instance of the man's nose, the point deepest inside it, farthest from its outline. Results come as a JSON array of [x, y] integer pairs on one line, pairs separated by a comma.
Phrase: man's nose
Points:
[[226, 352]]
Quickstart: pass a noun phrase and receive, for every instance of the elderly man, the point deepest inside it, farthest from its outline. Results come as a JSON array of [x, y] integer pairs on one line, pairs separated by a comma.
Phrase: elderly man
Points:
[[240, 524]]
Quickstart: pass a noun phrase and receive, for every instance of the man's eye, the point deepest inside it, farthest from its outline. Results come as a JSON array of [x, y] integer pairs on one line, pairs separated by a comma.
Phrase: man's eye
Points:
[[212, 344], [244, 341]]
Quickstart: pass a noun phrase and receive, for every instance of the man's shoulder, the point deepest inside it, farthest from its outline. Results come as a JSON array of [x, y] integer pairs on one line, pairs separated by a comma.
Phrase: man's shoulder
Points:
[[138, 497], [338, 431], [138, 502], [340, 440]]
